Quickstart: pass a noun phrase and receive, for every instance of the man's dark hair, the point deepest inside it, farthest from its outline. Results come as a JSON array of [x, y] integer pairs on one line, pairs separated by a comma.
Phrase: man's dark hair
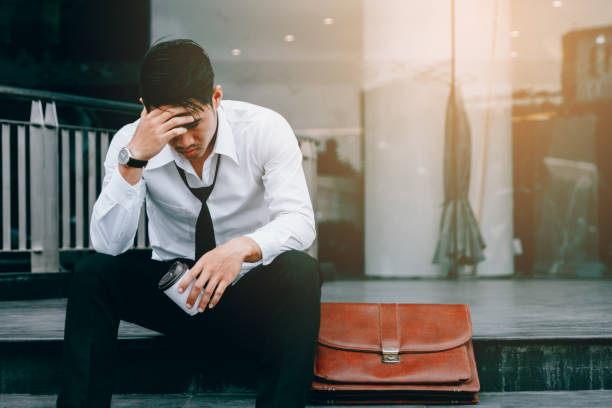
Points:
[[175, 73]]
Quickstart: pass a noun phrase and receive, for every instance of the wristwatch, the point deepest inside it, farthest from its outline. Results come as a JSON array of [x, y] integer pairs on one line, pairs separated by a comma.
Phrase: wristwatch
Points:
[[125, 158]]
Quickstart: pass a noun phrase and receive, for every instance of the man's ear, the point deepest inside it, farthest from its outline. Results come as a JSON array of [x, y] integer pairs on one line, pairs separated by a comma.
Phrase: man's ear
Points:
[[217, 95]]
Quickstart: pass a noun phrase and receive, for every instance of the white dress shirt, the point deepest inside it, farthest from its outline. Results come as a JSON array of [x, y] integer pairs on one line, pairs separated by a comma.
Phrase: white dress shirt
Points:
[[260, 191]]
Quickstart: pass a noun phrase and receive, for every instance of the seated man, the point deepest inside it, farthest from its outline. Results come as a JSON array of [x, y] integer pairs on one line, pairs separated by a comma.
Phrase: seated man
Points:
[[225, 192]]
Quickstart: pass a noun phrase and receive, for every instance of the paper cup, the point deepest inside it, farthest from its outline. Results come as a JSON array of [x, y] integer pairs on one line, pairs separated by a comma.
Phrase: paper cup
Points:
[[169, 285]]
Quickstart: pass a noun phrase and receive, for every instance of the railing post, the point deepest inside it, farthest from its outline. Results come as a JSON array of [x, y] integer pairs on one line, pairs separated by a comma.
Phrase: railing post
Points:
[[37, 183], [44, 189]]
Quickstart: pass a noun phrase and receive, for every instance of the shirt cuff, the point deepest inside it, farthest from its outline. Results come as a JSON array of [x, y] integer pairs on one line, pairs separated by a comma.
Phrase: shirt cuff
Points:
[[268, 245], [125, 194]]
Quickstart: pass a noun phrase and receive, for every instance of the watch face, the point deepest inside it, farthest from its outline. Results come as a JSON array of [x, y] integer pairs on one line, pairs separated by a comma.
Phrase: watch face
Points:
[[124, 156]]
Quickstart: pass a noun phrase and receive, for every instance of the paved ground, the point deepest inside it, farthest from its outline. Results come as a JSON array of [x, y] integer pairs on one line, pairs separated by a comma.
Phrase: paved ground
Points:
[[499, 308], [559, 399]]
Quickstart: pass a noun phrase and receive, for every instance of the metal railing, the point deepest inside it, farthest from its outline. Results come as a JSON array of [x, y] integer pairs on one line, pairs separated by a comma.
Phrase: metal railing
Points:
[[52, 175]]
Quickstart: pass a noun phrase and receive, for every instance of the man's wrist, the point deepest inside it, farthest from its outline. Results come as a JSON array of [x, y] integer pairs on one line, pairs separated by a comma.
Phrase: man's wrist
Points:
[[134, 152], [249, 249]]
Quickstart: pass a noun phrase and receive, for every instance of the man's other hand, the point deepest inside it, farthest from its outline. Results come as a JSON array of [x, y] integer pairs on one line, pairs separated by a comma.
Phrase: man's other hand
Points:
[[217, 269]]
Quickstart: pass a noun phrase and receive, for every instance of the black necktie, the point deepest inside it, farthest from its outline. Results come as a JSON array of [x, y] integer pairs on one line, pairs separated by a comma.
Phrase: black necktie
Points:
[[204, 232]]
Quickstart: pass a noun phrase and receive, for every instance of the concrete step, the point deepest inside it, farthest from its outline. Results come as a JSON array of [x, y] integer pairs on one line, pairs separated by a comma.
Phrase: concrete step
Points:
[[528, 336], [544, 399], [27, 285], [145, 366]]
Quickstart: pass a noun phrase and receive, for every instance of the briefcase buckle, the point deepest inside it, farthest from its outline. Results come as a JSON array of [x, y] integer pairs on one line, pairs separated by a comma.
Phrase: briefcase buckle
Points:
[[390, 356]]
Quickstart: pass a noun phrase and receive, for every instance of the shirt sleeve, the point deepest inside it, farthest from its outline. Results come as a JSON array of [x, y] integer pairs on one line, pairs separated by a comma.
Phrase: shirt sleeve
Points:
[[291, 223], [115, 214]]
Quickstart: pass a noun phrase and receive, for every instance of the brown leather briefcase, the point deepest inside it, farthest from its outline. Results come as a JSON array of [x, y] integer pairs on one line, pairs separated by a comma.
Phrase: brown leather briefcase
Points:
[[395, 353]]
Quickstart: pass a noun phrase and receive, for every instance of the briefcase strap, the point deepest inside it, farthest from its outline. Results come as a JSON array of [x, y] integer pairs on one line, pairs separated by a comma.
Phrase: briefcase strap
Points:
[[389, 332]]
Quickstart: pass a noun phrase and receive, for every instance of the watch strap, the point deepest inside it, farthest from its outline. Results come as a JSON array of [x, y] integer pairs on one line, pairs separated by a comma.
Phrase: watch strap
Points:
[[132, 162]]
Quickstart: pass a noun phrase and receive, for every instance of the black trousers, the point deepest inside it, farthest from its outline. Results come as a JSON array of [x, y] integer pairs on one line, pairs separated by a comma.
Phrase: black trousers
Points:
[[272, 311]]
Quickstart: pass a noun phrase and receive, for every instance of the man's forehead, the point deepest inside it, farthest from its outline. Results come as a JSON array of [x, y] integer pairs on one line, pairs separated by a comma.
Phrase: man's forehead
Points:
[[195, 111]]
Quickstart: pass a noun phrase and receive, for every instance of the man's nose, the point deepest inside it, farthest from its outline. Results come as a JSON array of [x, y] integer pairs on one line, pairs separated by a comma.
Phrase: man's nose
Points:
[[185, 140]]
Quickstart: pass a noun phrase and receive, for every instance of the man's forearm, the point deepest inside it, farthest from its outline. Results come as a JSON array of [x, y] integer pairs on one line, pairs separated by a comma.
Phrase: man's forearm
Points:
[[114, 219], [130, 174]]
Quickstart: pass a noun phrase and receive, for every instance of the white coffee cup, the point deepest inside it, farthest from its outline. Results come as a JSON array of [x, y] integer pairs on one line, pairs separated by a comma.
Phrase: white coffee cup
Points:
[[169, 284]]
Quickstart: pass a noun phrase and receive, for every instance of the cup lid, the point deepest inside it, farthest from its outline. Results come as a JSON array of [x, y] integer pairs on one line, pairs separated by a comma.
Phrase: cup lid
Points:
[[177, 270]]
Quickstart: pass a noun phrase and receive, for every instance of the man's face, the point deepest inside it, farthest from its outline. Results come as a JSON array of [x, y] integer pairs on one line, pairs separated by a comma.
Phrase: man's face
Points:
[[194, 143]]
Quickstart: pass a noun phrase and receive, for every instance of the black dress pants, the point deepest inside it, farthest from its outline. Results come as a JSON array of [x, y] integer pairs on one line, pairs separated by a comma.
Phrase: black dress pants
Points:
[[273, 311]]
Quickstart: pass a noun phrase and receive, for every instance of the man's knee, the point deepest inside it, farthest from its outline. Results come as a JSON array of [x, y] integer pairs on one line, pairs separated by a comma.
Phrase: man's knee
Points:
[[299, 265], [88, 272], [301, 272]]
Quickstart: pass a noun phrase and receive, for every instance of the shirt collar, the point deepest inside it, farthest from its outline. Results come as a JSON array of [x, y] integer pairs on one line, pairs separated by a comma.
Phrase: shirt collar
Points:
[[223, 145]]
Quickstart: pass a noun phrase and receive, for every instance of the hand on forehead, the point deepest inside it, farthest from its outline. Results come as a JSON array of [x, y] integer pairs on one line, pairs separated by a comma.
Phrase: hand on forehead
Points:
[[177, 116], [177, 111]]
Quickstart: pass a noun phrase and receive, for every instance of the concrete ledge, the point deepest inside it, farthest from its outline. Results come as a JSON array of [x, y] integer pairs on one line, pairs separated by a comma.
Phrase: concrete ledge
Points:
[[528, 336], [147, 365], [27, 285]]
